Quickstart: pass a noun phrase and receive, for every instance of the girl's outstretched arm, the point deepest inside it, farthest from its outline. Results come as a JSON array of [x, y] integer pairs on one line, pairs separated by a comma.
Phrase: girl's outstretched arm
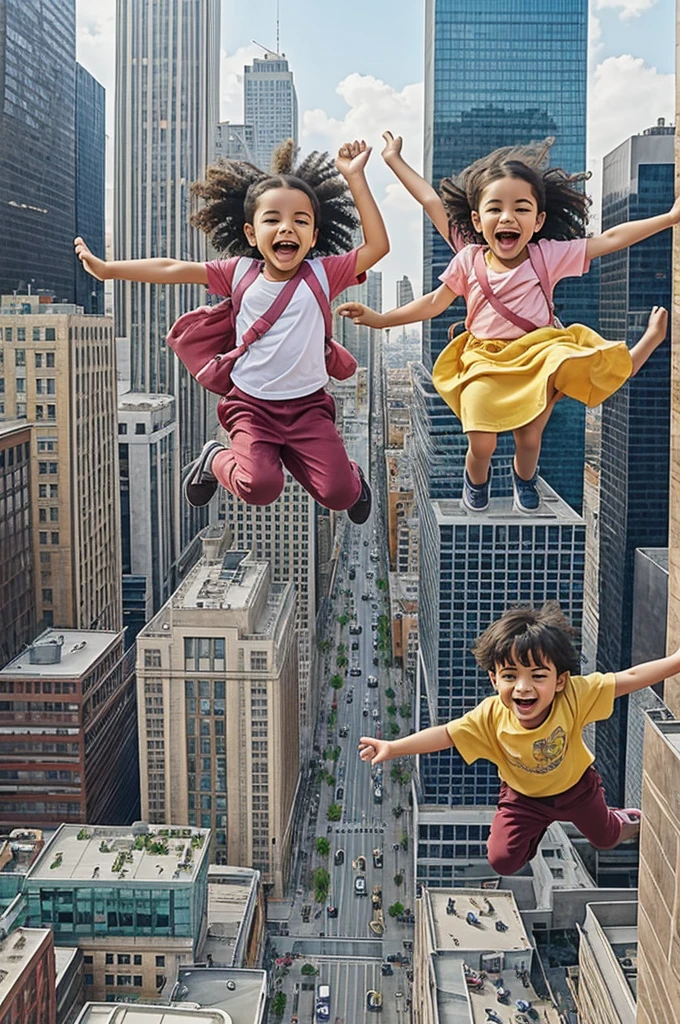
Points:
[[425, 308], [351, 161], [623, 235], [414, 183], [650, 672], [154, 271]]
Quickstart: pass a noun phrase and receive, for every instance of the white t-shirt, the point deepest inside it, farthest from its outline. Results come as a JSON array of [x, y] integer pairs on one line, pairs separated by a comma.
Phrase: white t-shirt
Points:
[[288, 361]]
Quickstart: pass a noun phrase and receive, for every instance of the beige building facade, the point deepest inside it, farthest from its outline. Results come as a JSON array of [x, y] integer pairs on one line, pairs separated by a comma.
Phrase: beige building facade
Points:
[[217, 686], [607, 959], [60, 375]]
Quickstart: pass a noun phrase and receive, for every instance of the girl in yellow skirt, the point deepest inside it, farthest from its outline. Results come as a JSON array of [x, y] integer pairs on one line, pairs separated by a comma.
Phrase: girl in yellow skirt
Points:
[[521, 227]]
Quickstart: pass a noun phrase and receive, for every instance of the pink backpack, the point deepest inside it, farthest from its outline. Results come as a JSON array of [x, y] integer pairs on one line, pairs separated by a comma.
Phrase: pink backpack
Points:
[[204, 339]]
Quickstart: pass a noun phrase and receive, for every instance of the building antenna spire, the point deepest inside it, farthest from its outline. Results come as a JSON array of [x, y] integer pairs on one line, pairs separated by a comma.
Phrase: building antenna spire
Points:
[[277, 26]]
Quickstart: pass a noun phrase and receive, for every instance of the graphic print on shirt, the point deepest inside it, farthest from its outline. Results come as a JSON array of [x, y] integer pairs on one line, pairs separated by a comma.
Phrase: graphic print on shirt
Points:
[[549, 754]]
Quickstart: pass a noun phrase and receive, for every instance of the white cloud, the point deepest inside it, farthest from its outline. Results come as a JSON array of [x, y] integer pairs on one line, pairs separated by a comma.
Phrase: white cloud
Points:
[[626, 8], [626, 96], [595, 44], [373, 107], [231, 82]]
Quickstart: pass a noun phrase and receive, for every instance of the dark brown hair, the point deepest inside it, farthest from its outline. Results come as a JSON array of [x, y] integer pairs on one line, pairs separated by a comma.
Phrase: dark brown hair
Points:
[[557, 193], [527, 634], [232, 189]]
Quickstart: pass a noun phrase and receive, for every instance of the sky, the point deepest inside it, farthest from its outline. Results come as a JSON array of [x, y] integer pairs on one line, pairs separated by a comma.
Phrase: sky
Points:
[[358, 70]]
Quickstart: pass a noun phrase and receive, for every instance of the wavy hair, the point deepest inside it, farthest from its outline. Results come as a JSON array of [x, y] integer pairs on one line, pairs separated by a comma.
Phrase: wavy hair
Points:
[[559, 195], [232, 188], [527, 634]]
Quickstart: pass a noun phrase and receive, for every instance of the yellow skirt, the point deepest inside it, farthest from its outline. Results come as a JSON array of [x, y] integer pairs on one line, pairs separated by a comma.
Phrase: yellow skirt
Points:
[[502, 385]]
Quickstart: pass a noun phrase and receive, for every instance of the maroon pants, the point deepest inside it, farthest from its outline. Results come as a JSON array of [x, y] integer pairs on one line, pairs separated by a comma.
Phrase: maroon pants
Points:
[[521, 821], [299, 434]]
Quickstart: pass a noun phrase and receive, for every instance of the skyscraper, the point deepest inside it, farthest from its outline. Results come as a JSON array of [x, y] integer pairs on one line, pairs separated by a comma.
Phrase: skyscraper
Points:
[[470, 111], [90, 183], [37, 129], [270, 105], [638, 181], [167, 78], [471, 569], [17, 595]]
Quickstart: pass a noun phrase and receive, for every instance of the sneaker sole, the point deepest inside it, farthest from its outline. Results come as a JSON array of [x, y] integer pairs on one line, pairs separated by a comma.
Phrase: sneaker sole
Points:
[[198, 500], [468, 508]]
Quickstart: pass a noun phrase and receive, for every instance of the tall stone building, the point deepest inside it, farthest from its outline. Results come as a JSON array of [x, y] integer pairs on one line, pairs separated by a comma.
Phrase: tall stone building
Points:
[[17, 593], [218, 698], [167, 80], [59, 373]]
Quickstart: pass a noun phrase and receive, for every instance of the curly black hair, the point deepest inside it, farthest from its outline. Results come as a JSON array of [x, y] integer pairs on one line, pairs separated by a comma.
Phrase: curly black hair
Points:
[[525, 633], [232, 188], [557, 193]]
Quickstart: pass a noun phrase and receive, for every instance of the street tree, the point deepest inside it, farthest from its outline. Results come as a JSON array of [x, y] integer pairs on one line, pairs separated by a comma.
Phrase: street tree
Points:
[[322, 846], [398, 878], [389, 692], [405, 710], [334, 812], [404, 841], [394, 730], [342, 661], [398, 811], [337, 682], [396, 909], [279, 1004]]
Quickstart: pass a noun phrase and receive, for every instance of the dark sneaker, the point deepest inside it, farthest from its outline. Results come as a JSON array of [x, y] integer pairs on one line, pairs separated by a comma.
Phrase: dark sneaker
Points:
[[361, 509], [525, 494], [200, 484], [475, 496]]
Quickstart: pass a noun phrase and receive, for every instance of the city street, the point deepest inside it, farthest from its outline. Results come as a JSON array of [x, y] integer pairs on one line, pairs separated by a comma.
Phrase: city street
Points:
[[347, 953]]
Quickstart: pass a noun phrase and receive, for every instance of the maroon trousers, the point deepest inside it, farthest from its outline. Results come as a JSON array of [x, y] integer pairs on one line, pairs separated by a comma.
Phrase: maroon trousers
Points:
[[299, 434], [521, 821]]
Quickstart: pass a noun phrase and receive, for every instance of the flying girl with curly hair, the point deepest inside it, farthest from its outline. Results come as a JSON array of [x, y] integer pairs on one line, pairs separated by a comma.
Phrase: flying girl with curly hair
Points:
[[277, 412], [518, 227]]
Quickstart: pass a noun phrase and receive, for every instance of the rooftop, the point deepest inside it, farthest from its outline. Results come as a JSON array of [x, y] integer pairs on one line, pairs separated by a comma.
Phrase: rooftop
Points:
[[124, 1013], [163, 854], [230, 891], [241, 994], [135, 401], [552, 509], [77, 650], [12, 426], [453, 932], [16, 951], [19, 849]]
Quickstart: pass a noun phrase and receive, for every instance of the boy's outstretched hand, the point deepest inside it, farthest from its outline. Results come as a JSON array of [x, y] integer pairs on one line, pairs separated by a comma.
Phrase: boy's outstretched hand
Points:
[[392, 146], [352, 157], [374, 750], [92, 264], [675, 211]]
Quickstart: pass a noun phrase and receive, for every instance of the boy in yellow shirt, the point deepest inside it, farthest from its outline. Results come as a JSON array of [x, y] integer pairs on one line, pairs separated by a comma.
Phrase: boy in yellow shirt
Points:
[[531, 729]]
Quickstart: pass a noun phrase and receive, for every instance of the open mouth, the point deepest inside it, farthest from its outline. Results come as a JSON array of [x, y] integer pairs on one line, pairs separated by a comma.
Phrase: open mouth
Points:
[[525, 703], [507, 239], [285, 250]]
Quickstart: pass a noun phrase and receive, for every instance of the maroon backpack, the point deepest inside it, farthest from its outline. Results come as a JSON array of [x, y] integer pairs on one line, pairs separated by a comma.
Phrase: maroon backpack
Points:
[[204, 339]]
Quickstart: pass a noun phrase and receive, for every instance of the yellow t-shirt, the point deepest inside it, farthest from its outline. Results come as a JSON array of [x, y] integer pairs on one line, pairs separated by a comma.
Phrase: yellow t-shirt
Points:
[[544, 761]]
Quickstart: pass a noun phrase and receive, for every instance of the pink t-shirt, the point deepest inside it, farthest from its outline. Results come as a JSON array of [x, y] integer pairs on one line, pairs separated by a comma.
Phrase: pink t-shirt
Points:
[[518, 289], [289, 360]]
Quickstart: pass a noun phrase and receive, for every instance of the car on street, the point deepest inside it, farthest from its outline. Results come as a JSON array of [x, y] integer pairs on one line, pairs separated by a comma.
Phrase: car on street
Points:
[[377, 795], [375, 556], [355, 670], [372, 682], [369, 574], [339, 793], [331, 911], [356, 630], [360, 863], [374, 606], [355, 645], [376, 662], [360, 886], [365, 543], [365, 712], [352, 573], [339, 857], [344, 731], [375, 713], [373, 1001], [377, 858], [349, 699], [323, 1003]]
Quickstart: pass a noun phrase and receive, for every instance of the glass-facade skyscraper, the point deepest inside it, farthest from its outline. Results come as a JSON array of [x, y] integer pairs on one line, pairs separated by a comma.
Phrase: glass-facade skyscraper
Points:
[[90, 182], [638, 181], [270, 105], [37, 143], [473, 106], [167, 81]]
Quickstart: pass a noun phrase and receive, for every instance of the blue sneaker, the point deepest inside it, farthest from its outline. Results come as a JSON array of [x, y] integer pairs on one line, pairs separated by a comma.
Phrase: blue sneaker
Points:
[[525, 493], [475, 496]]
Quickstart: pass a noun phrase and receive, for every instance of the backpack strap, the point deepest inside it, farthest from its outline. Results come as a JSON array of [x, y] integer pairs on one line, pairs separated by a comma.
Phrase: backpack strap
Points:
[[245, 282], [268, 319], [317, 290], [482, 276], [540, 268]]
